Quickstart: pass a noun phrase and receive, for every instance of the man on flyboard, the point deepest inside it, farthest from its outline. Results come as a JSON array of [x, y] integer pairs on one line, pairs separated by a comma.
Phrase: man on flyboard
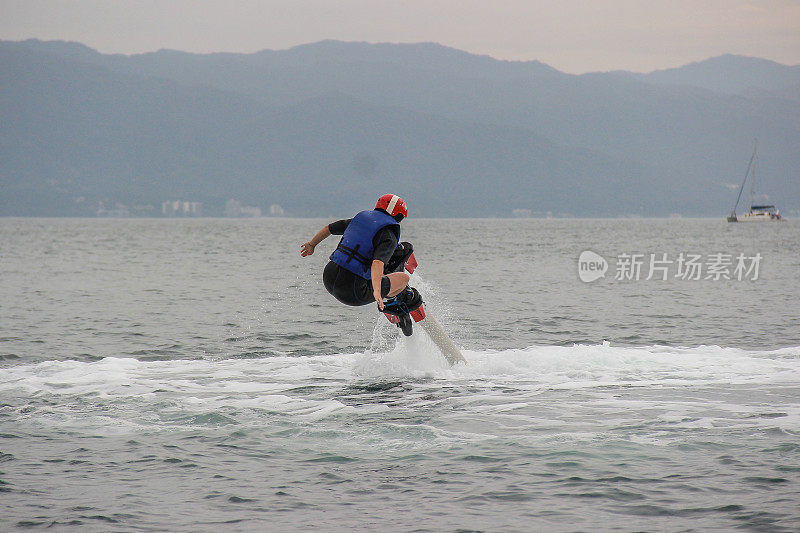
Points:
[[369, 263]]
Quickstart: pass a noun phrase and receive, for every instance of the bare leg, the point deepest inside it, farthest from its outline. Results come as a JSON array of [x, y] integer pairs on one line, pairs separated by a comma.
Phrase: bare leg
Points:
[[399, 281]]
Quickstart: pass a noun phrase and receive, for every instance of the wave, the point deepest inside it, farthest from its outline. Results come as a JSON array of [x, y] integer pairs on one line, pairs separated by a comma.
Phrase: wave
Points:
[[412, 358], [497, 390]]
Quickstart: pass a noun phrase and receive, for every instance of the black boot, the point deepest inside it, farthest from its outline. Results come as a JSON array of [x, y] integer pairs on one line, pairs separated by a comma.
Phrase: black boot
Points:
[[398, 260], [411, 298], [402, 306]]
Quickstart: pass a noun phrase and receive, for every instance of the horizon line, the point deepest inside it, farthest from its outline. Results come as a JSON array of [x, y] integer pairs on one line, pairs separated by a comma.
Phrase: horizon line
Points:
[[393, 43]]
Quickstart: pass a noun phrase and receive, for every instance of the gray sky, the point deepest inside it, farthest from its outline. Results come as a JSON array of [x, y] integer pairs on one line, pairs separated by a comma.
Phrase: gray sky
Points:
[[571, 35]]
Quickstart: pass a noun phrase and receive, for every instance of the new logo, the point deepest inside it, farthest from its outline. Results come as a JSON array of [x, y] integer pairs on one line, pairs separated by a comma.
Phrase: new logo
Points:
[[591, 266]]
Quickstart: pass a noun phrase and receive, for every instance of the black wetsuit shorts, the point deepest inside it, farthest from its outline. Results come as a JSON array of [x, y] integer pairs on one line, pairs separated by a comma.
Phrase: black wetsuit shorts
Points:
[[349, 288]]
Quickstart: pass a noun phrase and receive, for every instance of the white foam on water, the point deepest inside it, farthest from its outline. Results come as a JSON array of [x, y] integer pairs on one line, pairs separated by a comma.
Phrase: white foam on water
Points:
[[416, 357], [412, 357], [582, 366], [496, 394]]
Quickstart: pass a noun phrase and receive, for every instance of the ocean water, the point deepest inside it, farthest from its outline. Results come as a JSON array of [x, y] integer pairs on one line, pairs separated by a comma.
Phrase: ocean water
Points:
[[194, 375]]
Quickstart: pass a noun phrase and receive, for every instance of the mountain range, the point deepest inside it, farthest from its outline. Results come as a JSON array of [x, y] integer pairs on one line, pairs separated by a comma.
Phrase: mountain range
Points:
[[322, 129]]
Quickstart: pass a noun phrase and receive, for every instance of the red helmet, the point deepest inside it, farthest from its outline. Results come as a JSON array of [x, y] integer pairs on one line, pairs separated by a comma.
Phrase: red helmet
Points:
[[392, 204]]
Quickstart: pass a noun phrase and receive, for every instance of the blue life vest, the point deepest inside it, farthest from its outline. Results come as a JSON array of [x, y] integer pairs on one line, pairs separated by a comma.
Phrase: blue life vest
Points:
[[355, 250]]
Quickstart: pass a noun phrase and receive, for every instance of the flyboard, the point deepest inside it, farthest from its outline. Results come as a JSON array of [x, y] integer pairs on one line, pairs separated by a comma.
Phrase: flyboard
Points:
[[401, 313]]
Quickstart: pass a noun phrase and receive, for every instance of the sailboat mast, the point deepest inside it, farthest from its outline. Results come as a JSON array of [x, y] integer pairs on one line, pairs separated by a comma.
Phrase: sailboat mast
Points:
[[741, 189], [753, 180]]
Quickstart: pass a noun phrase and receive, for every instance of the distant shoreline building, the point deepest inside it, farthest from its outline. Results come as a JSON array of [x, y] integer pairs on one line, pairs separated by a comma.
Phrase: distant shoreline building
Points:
[[235, 209], [181, 208], [121, 210], [118, 211]]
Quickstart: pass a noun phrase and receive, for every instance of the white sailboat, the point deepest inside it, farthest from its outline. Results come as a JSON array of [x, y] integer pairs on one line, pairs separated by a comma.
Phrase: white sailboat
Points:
[[757, 213]]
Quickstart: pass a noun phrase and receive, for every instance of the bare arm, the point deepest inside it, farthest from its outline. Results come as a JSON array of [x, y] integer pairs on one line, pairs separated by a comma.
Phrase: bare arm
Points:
[[307, 248], [377, 275]]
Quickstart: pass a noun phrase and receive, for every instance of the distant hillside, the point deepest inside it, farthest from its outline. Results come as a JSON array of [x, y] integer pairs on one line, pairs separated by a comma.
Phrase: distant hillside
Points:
[[730, 74], [323, 128]]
